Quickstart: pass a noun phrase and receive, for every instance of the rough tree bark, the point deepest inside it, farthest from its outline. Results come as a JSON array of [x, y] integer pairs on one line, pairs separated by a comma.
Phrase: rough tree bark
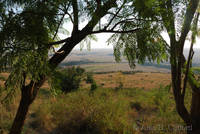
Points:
[[195, 112], [28, 94]]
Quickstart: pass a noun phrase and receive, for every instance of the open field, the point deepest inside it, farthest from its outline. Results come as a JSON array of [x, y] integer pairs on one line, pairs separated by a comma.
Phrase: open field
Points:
[[142, 105], [143, 80], [110, 67], [143, 101], [127, 101]]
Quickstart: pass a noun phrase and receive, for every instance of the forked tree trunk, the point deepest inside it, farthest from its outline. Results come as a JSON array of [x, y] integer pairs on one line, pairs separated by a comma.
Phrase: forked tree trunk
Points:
[[28, 95]]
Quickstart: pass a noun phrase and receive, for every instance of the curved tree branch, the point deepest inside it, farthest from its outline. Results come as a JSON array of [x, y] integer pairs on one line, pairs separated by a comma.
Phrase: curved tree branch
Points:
[[114, 31]]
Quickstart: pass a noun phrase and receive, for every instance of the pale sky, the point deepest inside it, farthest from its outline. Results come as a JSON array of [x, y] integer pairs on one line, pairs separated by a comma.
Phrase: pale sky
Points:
[[100, 43], [103, 37]]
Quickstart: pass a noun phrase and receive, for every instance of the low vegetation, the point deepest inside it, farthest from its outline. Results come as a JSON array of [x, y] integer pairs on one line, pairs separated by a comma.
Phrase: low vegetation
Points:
[[67, 80], [106, 111]]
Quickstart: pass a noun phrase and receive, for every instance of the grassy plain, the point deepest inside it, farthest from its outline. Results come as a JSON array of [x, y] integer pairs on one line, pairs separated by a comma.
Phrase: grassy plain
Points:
[[126, 101], [143, 104]]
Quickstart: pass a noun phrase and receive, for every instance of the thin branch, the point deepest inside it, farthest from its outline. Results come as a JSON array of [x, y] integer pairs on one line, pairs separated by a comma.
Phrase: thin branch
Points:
[[167, 45], [123, 21], [57, 42], [66, 12], [114, 31], [187, 68], [115, 15], [187, 20], [58, 26], [190, 55], [70, 17]]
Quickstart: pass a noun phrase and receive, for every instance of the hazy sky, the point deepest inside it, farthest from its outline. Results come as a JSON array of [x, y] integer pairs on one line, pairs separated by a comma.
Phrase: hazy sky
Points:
[[102, 38]]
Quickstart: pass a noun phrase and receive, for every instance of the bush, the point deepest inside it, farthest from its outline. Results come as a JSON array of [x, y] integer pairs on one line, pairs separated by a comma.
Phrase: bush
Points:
[[93, 86], [67, 80], [89, 78]]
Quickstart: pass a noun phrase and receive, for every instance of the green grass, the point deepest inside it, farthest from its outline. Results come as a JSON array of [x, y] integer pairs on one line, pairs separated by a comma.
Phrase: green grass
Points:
[[105, 111]]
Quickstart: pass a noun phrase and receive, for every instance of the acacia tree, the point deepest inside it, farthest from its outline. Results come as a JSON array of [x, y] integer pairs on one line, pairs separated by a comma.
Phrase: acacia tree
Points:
[[177, 18], [29, 31]]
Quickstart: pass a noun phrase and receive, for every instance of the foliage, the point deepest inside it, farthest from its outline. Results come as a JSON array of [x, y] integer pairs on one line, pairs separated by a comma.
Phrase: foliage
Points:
[[67, 80], [145, 44], [89, 78], [93, 86], [26, 27]]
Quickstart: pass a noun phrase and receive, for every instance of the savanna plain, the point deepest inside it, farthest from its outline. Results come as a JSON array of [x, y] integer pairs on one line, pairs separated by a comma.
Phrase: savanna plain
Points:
[[108, 98]]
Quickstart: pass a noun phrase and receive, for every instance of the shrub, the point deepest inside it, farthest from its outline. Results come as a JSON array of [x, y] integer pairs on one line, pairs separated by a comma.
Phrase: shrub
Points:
[[93, 86], [89, 78], [67, 80]]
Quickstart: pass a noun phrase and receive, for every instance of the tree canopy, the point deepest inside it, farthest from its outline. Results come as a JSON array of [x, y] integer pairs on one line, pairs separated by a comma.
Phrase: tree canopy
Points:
[[29, 31]]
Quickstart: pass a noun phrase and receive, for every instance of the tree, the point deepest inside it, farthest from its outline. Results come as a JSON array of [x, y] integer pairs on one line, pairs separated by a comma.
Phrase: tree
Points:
[[177, 18], [67, 80], [29, 31]]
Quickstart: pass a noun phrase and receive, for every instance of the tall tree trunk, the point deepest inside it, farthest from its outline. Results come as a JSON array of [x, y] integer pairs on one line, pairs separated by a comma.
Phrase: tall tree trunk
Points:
[[28, 95], [20, 116], [29, 92], [195, 113]]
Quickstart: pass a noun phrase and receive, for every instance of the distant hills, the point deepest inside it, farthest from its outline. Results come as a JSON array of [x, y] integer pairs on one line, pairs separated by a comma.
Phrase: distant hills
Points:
[[105, 56]]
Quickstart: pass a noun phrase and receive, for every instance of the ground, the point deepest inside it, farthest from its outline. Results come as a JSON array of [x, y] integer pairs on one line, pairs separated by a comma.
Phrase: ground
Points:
[[124, 102], [143, 80]]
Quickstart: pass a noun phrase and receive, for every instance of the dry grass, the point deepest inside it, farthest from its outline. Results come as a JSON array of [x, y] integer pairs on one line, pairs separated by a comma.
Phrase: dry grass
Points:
[[138, 80], [106, 111], [145, 80]]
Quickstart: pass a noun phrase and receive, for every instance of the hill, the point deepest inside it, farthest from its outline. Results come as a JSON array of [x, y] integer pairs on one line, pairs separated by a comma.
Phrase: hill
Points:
[[103, 60]]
